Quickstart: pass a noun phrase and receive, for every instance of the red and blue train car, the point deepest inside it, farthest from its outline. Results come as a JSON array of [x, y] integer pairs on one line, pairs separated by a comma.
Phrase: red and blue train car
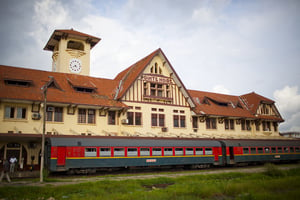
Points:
[[260, 151], [91, 153]]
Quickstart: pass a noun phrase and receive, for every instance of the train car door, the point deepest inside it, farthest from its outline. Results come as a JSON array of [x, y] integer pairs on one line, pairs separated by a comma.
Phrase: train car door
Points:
[[61, 156], [231, 153]]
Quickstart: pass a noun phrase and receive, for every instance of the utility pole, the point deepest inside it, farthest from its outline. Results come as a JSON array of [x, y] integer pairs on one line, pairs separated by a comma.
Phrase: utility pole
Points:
[[44, 88]]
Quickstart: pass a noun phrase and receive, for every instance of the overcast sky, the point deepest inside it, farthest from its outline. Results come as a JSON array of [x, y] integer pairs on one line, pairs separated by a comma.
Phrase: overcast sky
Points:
[[232, 47]]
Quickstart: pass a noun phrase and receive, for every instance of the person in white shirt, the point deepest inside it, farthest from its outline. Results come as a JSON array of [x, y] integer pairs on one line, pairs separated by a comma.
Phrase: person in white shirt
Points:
[[13, 160]]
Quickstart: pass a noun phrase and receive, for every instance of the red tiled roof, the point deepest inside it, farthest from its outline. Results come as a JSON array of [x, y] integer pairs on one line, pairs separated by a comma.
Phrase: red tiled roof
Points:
[[219, 104], [129, 75], [58, 34], [103, 95], [253, 100], [208, 103]]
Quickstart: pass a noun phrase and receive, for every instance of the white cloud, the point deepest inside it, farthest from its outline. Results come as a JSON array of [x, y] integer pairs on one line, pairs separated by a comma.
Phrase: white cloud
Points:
[[220, 89], [288, 103]]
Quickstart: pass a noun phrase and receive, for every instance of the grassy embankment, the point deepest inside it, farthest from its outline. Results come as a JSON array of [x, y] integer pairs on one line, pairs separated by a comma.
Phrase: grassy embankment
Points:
[[272, 184]]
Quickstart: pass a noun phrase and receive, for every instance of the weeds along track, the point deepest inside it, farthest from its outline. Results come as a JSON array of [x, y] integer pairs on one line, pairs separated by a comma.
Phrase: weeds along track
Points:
[[58, 180]]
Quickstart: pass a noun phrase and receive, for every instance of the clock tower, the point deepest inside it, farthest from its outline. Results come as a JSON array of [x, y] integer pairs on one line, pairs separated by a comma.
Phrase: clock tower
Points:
[[71, 51]]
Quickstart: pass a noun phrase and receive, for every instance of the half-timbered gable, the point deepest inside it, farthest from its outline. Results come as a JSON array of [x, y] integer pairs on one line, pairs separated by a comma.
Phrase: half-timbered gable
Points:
[[152, 80]]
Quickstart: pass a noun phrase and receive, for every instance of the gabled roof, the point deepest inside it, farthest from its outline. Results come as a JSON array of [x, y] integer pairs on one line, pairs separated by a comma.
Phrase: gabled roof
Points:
[[102, 97], [127, 77], [65, 33], [253, 100], [245, 106], [219, 105]]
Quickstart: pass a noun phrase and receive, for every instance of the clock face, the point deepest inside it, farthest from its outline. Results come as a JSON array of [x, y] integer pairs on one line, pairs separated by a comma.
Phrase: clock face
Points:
[[75, 65]]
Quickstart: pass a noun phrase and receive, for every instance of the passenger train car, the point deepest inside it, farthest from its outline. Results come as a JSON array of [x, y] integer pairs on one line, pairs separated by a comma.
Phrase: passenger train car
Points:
[[77, 153]]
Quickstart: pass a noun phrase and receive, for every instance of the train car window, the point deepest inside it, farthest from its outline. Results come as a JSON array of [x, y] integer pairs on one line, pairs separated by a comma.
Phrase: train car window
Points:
[[189, 151], [253, 150], [105, 152], [292, 150], [178, 151], [267, 150], [199, 151], [119, 152], [297, 149], [208, 151], [273, 149], [90, 152], [132, 152], [260, 150], [156, 151], [286, 149], [246, 150], [168, 151], [145, 152], [279, 149]]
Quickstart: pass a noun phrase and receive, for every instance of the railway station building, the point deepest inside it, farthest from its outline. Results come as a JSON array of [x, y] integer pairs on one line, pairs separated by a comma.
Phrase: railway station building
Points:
[[147, 99]]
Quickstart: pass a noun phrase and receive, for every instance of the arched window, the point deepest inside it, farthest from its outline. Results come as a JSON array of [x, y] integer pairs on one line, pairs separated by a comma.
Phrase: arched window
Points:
[[75, 45]]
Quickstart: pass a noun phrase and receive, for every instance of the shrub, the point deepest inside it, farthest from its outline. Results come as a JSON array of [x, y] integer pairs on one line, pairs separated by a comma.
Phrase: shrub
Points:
[[273, 171]]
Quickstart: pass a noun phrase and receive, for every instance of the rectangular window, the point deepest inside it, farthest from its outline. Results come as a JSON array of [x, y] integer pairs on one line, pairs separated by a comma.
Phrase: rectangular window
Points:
[[81, 116], [168, 152], [153, 119], [260, 150], [211, 123], [208, 151], [178, 151], [195, 122], [132, 152], [253, 150], [145, 152], [15, 112], [266, 126], [279, 149], [119, 152], [189, 151], [156, 152], [130, 117], [257, 124], [161, 121], [54, 114], [86, 116], [267, 150], [90, 152], [176, 120], [245, 124], [199, 151], [182, 121], [229, 124], [134, 118], [138, 118], [246, 150], [111, 117], [105, 152], [273, 149]]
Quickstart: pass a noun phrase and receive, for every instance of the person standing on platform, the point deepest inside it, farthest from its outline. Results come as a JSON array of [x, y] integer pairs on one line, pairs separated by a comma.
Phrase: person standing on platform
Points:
[[13, 160], [5, 171]]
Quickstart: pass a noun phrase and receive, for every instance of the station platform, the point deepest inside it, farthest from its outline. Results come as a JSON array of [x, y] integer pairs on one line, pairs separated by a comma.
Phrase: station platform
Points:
[[25, 174]]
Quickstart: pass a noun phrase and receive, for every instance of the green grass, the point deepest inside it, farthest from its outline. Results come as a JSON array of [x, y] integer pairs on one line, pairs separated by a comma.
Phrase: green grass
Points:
[[271, 184]]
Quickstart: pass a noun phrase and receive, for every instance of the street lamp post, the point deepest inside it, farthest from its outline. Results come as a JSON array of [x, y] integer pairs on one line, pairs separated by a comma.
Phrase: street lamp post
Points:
[[44, 88]]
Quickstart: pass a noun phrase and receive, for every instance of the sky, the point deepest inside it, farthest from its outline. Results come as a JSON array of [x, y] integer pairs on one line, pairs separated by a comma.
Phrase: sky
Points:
[[226, 46]]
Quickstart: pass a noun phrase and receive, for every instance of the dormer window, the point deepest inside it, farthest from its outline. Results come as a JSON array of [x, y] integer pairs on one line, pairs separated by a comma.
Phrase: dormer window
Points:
[[75, 45], [83, 89], [24, 83]]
